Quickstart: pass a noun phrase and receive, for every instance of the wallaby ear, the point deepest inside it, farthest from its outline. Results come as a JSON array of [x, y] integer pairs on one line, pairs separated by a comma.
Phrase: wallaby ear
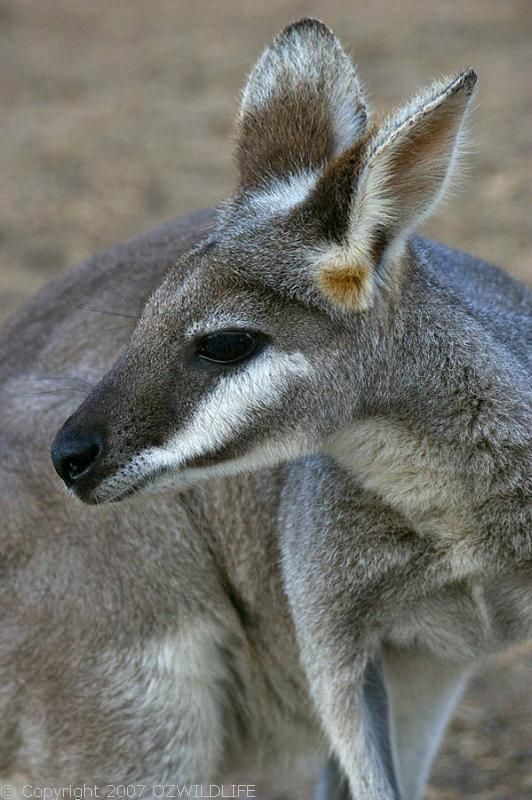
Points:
[[370, 197], [302, 105]]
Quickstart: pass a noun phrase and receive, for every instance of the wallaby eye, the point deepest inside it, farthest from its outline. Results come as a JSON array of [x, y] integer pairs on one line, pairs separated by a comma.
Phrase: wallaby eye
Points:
[[227, 347]]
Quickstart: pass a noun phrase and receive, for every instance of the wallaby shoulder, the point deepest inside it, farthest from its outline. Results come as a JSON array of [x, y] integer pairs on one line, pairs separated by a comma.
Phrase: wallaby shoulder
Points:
[[500, 303]]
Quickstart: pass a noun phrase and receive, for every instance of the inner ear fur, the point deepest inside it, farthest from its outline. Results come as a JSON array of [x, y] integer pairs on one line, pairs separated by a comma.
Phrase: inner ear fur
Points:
[[371, 196]]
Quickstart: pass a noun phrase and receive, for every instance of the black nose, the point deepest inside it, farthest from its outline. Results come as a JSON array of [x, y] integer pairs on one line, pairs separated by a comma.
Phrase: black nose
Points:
[[74, 454]]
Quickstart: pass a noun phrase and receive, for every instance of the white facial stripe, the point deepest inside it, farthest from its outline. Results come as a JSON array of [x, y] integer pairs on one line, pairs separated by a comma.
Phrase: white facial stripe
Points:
[[267, 454], [219, 419], [221, 415]]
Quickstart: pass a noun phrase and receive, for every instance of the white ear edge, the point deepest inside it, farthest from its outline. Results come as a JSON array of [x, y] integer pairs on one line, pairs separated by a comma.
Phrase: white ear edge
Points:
[[420, 107]]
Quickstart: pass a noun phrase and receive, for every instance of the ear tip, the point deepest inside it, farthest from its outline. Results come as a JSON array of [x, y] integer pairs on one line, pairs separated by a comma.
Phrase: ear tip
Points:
[[467, 80], [305, 26]]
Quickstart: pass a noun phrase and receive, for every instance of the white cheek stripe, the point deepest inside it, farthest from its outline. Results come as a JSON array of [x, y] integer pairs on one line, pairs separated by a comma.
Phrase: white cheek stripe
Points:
[[222, 414], [268, 454]]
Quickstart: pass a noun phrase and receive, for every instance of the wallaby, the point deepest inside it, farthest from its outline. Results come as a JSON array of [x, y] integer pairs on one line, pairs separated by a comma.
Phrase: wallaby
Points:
[[321, 424]]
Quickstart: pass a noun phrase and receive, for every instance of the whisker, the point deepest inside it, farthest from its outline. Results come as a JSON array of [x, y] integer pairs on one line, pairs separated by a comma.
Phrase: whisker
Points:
[[133, 300], [102, 311], [48, 391], [65, 378], [114, 328]]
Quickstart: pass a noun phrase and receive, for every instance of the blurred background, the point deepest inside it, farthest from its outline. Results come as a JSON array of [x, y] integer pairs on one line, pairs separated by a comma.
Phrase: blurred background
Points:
[[118, 115]]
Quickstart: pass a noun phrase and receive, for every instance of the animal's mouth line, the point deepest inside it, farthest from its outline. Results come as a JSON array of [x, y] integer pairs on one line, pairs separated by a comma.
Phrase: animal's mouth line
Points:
[[146, 480], [132, 488]]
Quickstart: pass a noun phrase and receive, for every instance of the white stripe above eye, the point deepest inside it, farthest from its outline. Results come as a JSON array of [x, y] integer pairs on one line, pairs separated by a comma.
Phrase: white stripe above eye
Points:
[[220, 417]]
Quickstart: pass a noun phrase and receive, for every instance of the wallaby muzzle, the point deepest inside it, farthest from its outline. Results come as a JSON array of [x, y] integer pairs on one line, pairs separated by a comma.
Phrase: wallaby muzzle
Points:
[[109, 428]]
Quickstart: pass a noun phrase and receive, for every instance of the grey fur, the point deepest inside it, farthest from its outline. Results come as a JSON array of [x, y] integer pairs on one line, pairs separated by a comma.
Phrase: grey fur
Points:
[[398, 530], [332, 784]]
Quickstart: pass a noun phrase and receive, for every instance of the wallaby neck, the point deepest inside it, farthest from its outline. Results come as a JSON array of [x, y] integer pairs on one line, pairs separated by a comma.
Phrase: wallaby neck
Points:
[[444, 438]]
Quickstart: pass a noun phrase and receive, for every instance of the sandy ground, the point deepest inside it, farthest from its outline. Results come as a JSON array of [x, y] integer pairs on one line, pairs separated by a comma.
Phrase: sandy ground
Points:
[[116, 116]]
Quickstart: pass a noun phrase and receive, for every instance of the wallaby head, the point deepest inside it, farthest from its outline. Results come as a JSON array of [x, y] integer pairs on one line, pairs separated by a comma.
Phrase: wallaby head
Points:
[[268, 347]]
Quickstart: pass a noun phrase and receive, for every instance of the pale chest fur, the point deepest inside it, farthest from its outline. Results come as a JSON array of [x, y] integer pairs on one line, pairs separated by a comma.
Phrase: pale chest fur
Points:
[[410, 476]]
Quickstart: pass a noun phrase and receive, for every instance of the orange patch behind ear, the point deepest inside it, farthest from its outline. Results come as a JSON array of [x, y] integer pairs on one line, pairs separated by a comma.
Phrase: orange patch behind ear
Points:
[[348, 286]]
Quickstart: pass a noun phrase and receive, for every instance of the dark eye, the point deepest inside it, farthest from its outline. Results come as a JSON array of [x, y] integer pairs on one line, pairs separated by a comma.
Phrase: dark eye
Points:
[[226, 347]]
